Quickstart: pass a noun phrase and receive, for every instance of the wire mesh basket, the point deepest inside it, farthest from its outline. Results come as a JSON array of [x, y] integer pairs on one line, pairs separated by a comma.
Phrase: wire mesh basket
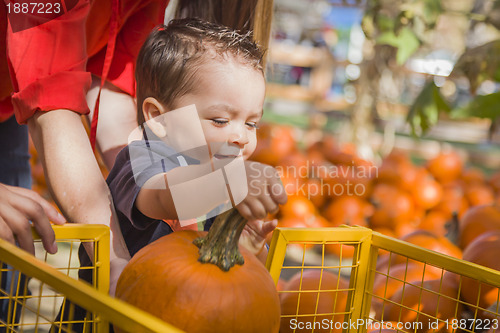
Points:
[[43, 294], [374, 283], [377, 284]]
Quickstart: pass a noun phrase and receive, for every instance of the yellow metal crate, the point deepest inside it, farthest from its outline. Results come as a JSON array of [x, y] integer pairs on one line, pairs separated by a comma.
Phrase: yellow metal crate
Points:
[[409, 289], [50, 286], [353, 295]]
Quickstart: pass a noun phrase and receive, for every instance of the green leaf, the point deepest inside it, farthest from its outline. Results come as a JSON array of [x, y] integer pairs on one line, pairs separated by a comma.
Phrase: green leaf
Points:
[[408, 44], [441, 104], [424, 113], [388, 38], [384, 22], [496, 74], [482, 106], [368, 26], [431, 12]]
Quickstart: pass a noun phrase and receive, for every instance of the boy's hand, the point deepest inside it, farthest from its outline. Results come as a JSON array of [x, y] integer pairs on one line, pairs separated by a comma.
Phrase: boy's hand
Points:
[[265, 192], [253, 236]]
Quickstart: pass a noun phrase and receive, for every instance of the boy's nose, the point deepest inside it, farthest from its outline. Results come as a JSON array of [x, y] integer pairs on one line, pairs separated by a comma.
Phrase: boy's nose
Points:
[[239, 137]]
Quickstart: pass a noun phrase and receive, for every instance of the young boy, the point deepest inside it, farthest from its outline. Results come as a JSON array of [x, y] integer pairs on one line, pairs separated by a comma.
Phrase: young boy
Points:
[[200, 94]]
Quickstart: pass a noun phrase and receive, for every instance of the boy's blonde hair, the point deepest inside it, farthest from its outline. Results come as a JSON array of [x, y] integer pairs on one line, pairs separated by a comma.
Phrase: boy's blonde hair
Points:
[[168, 61]]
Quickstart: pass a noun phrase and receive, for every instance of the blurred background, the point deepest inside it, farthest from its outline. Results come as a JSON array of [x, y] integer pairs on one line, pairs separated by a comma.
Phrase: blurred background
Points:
[[397, 97]]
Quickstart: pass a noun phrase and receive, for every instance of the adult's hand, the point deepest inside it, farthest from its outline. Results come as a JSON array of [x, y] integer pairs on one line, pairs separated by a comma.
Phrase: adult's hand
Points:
[[19, 206]]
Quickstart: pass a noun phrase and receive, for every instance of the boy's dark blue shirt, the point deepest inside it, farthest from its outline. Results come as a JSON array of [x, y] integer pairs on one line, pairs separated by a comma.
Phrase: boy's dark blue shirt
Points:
[[134, 165]]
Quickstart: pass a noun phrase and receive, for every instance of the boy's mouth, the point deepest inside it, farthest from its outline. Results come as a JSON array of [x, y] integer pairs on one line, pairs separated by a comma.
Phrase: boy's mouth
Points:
[[221, 156], [226, 151]]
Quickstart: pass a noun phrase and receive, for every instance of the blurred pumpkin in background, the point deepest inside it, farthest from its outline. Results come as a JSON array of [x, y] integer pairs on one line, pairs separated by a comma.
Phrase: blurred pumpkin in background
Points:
[[476, 221]]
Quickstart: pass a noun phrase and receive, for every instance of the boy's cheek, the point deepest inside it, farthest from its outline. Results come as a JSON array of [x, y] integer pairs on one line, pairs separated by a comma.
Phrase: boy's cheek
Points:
[[249, 150]]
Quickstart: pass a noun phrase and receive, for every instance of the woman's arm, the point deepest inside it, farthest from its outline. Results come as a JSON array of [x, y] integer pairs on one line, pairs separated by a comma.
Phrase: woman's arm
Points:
[[72, 172]]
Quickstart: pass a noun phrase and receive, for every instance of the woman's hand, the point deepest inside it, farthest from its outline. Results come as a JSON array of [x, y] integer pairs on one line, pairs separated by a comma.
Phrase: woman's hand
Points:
[[19, 206]]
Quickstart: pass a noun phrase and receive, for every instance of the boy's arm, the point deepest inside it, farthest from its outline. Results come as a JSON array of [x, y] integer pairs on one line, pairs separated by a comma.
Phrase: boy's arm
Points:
[[265, 191], [155, 198]]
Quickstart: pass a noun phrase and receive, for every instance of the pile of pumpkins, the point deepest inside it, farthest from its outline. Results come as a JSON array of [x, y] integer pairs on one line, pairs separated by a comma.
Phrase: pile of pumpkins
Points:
[[441, 205]]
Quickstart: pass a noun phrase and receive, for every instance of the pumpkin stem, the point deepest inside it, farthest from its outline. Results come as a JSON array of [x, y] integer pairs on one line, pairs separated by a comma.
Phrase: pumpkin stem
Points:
[[452, 228], [220, 245]]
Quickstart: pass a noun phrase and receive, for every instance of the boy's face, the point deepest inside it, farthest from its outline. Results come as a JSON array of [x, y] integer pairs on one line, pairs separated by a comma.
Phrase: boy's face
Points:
[[229, 98]]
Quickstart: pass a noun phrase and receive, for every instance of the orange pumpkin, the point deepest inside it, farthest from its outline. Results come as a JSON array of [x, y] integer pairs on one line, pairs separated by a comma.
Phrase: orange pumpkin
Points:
[[313, 221], [436, 222], [315, 191], [446, 167], [329, 147], [453, 200], [382, 330], [350, 210], [427, 192], [484, 250], [472, 175], [426, 240], [432, 242], [281, 284], [478, 220], [427, 300], [345, 154], [479, 194], [291, 184], [314, 154], [274, 143], [383, 327], [405, 228], [343, 250], [495, 181], [298, 206], [392, 206], [344, 180], [175, 280], [296, 163], [398, 155], [330, 303], [386, 231], [397, 172], [390, 280]]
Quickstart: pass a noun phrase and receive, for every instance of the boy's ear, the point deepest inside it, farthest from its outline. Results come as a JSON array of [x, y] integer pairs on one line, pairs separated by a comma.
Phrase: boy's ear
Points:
[[153, 110]]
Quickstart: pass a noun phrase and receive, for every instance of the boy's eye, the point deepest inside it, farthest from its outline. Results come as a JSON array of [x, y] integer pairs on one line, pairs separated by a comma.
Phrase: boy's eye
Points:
[[252, 125], [220, 122]]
